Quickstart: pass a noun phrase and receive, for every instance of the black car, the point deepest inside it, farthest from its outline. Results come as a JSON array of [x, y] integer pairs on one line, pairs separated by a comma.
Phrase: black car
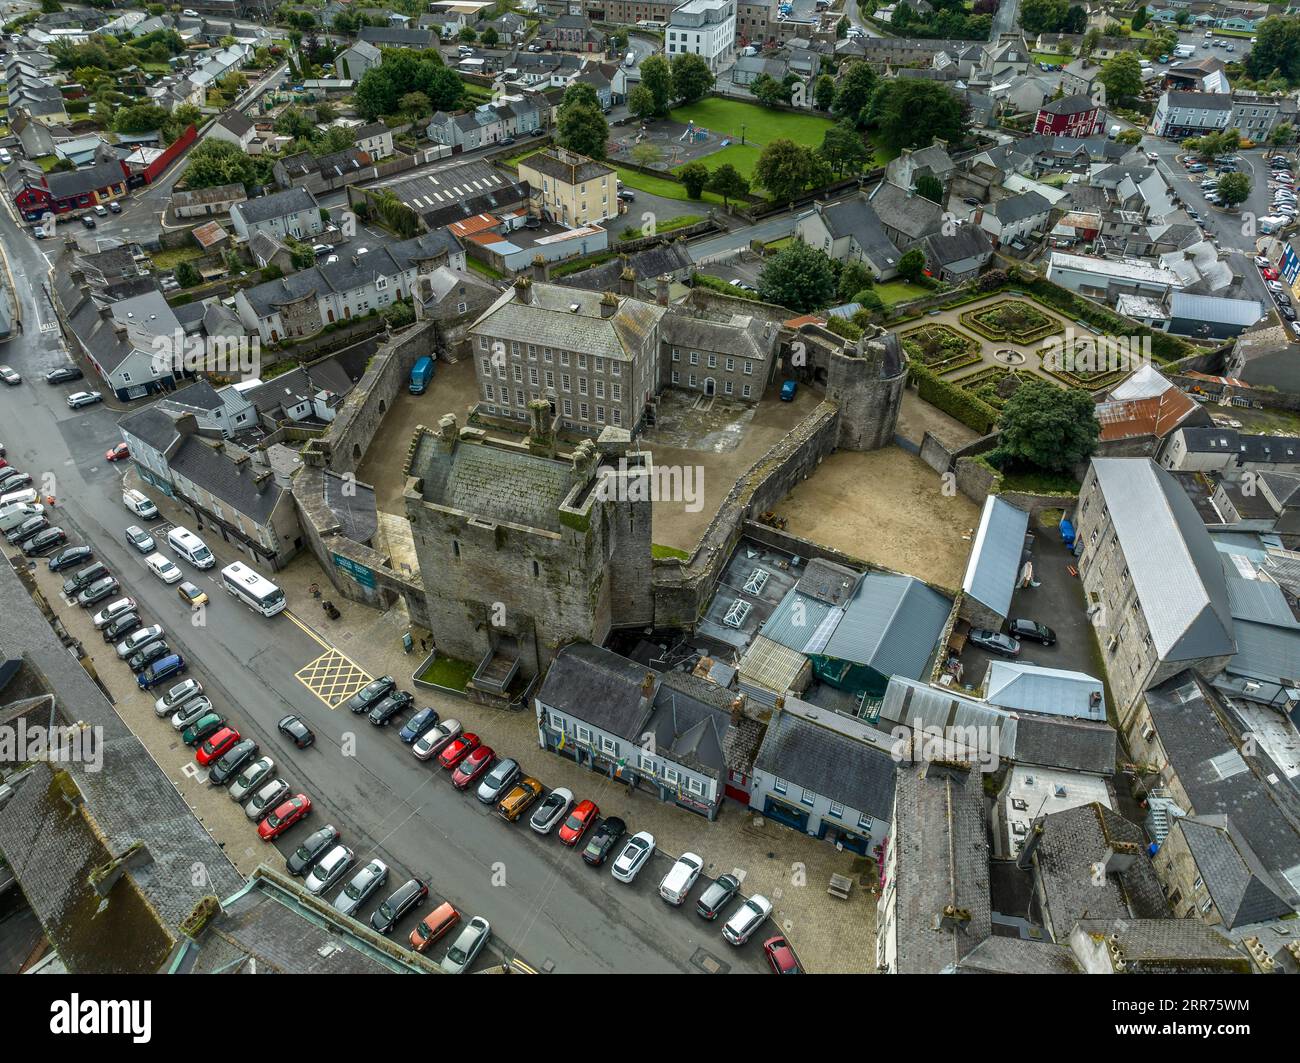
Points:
[[314, 846], [1281, 298], [63, 374], [399, 902], [45, 541], [87, 221], [115, 207], [603, 840], [390, 707], [83, 578], [1287, 313], [232, 762], [1033, 631], [296, 731], [31, 526], [123, 625], [716, 895], [69, 556], [365, 699], [142, 658], [97, 591]]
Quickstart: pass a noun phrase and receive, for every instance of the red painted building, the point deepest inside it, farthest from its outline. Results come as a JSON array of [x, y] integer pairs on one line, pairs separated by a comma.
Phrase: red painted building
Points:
[[1070, 116], [36, 193]]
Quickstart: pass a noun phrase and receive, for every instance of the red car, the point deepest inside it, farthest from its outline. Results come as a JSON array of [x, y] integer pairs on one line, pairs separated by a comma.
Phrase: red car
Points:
[[1268, 273], [117, 453], [580, 820], [215, 745], [284, 817], [458, 750], [476, 762], [781, 956]]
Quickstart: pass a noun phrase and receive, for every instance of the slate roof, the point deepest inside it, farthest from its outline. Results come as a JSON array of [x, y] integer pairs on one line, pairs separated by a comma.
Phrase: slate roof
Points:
[[969, 241], [858, 219], [276, 205], [1076, 104], [1018, 208], [596, 686], [999, 955], [942, 860], [1170, 557], [353, 506], [90, 179], [739, 334], [1214, 308], [1070, 745], [913, 215], [670, 258], [232, 484], [995, 555], [151, 425], [574, 170], [1242, 889], [1168, 946], [236, 122]]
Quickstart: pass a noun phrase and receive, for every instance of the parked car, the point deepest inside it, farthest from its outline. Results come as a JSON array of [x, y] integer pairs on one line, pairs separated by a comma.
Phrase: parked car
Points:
[[141, 659], [169, 666], [284, 816], [208, 724], [751, 914], [676, 885], [139, 639], [716, 896], [472, 767], [418, 725], [434, 740], [1287, 313], [433, 926], [458, 749], [293, 728], [78, 399], [123, 624], [182, 692], [112, 611], [229, 764], [369, 695], [1032, 630], [216, 745], [361, 886], [248, 781], [498, 780], [386, 708], [98, 591], [10, 376], [117, 453], [139, 539], [63, 374], [635, 855], [329, 869], [780, 955], [468, 944], [27, 529], [551, 812], [313, 847], [519, 799], [603, 840], [44, 541], [70, 556], [402, 900], [266, 799], [995, 642], [578, 823], [191, 712]]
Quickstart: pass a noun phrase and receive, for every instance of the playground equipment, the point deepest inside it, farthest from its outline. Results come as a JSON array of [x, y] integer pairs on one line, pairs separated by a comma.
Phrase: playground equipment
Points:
[[691, 133]]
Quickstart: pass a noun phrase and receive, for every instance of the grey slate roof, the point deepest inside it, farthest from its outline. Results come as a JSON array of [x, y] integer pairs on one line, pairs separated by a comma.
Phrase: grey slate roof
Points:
[[999, 955], [858, 219], [596, 686], [1170, 557], [232, 484], [353, 506], [670, 258], [276, 205], [1070, 745], [969, 241], [1164, 946], [151, 425], [942, 859], [1018, 208], [995, 555], [1243, 891], [913, 215]]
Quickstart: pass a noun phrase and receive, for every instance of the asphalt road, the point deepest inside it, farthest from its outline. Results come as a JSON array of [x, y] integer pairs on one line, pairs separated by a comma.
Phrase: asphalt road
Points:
[[545, 905]]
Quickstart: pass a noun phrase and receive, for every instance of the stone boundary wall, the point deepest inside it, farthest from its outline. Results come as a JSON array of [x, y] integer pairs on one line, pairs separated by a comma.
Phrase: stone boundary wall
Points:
[[977, 481], [935, 453]]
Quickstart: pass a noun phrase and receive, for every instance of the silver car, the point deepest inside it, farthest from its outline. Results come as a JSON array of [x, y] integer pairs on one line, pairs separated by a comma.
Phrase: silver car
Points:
[[140, 539], [112, 611], [751, 914], [177, 696], [251, 778], [137, 640], [264, 801], [362, 885], [468, 944], [191, 712], [433, 740], [331, 867]]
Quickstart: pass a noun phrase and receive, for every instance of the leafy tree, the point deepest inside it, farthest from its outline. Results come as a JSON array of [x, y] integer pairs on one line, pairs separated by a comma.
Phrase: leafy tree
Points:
[[853, 96], [1075, 21], [1283, 133], [641, 102], [381, 88], [694, 176], [415, 105], [1043, 16], [399, 315], [467, 35], [692, 77], [1048, 427], [580, 92], [295, 123], [799, 277], [581, 127], [1122, 77], [1090, 41], [219, 162], [657, 76], [854, 277], [646, 154], [768, 91], [1233, 188], [912, 265], [187, 276], [729, 183], [913, 114], [929, 187], [1130, 136], [490, 38], [824, 92], [785, 169], [1183, 18], [1140, 18], [1276, 49], [844, 149]]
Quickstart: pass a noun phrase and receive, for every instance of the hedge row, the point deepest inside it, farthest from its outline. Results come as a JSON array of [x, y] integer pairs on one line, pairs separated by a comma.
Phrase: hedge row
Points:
[[970, 319], [975, 414], [1164, 347]]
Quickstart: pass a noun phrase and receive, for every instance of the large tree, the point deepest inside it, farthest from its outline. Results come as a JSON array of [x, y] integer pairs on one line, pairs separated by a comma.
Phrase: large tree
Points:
[[1233, 188], [1122, 76], [853, 96], [657, 76], [694, 176], [582, 128], [729, 183], [641, 102], [913, 114], [1043, 16], [799, 277], [911, 266], [219, 162], [1276, 49], [824, 92], [1048, 427], [692, 77], [785, 169], [402, 71], [844, 149]]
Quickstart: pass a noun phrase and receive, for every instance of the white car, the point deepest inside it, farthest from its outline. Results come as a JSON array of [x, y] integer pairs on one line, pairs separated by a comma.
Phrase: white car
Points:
[[191, 712], [5, 157], [552, 811], [751, 914], [436, 738], [1295, 327], [112, 611], [680, 878], [635, 855], [468, 944], [79, 399], [1274, 286], [163, 568], [1262, 262], [332, 867], [177, 696]]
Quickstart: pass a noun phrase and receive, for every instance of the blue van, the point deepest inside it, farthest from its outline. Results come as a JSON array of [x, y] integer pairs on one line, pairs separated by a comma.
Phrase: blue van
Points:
[[788, 389], [163, 668], [421, 374]]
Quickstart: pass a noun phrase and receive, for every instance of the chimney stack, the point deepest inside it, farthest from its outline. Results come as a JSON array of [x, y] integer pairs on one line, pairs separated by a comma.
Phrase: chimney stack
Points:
[[540, 269], [447, 431], [627, 281], [524, 289], [608, 304], [661, 289], [1025, 861]]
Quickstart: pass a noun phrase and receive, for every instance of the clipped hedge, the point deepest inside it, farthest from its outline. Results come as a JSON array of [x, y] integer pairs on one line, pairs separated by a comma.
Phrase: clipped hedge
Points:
[[974, 413], [1164, 347]]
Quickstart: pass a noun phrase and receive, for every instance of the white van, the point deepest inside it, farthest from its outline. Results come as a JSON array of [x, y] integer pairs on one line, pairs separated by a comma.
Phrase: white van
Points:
[[1270, 223], [163, 568], [138, 504], [13, 515], [26, 497], [190, 547], [680, 878]]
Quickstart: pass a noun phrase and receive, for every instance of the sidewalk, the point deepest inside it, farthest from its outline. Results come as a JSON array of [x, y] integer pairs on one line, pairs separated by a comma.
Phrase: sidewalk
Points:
[[790, 869]]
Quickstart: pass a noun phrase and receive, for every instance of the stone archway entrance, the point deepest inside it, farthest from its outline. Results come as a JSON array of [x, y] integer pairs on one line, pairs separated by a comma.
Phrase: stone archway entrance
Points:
[[710, 387]]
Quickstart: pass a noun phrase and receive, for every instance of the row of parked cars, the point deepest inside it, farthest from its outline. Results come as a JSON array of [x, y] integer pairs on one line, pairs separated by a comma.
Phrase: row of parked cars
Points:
[[501, 782], [1008, 644]]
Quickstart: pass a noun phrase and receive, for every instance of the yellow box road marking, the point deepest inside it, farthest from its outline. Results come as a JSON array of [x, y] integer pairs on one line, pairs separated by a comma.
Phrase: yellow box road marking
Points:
[[333, 678]]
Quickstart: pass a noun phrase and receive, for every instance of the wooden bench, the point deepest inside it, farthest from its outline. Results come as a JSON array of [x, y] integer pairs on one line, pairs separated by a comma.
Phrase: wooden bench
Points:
[[840, 887]]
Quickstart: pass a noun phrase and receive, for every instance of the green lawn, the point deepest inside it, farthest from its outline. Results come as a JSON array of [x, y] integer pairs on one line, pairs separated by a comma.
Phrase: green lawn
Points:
[[448, 672], [668, 551], [679, 222], [659, 186], [483, 269], [892, 292], [165, 260], [728, 118]]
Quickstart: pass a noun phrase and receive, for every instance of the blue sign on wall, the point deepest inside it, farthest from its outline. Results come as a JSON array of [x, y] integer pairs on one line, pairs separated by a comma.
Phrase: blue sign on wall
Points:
[[363, 575], [1290, 264]]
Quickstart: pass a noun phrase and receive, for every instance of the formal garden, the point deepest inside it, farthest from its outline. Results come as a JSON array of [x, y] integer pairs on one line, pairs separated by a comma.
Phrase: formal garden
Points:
[[941, 348], [1011, 320], [992, 385]]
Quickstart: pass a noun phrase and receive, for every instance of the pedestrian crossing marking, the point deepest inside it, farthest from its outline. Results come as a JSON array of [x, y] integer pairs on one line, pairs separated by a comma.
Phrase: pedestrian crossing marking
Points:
[[333, 678]]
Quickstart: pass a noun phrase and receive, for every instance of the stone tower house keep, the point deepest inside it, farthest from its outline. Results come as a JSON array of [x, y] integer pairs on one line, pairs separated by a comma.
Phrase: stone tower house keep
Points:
[[866, 380], [522, 548]]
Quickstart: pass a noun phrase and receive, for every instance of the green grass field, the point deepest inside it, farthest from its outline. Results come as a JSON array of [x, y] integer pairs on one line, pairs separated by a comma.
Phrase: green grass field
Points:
[[892, 292], [660, 186]]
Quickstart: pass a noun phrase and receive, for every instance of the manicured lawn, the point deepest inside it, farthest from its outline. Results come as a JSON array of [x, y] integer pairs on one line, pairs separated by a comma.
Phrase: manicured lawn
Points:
[[659, 186], [892, 292], [726, 118], [448, 672]]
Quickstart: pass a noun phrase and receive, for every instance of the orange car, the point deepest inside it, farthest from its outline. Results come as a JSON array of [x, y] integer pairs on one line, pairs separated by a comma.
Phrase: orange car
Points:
[[433, 926], [519, 799]]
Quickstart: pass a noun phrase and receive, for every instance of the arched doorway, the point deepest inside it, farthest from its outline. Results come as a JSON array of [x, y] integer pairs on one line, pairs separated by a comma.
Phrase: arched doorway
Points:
[[709, 387]]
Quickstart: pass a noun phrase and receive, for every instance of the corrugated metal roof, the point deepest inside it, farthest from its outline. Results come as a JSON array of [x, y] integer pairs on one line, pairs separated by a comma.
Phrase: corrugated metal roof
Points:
[[917, 705], [995, 554], [892, 624], [1012, 685], [795, 619], [1214, 308], [1171, 559], [1261, 601], [1266, 652]]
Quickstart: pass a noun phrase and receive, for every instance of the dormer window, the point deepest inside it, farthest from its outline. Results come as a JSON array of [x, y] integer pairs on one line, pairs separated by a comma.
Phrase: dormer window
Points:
[[381, 283]]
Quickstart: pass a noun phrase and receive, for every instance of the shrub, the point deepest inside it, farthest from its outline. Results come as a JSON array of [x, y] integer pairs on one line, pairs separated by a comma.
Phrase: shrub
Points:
[[974, 413]]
